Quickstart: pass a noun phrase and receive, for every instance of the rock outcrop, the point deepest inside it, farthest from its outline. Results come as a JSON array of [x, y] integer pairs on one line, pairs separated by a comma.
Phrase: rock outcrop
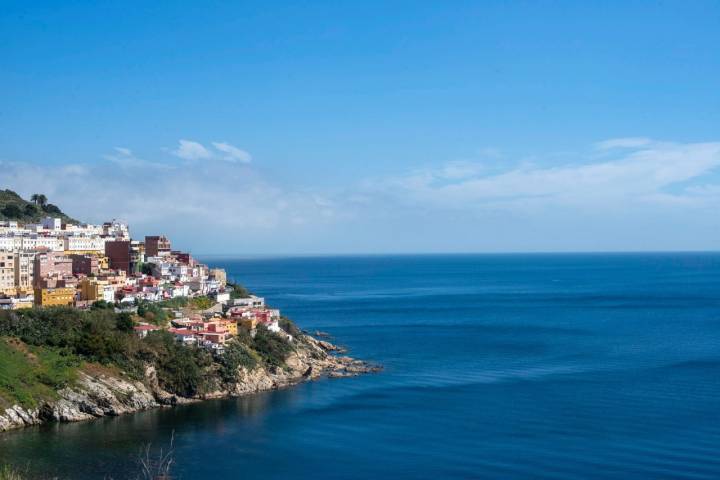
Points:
[[96, 395]]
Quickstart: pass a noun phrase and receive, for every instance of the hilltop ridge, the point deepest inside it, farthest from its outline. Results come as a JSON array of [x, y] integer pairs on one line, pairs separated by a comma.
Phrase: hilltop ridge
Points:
[[14, 207]]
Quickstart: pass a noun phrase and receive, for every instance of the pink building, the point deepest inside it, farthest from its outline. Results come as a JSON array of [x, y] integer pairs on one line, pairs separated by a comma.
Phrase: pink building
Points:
[[51, 264]]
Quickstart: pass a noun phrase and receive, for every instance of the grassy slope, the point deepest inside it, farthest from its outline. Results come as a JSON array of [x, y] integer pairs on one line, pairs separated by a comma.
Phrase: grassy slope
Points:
[[8, 197], [31, 374]]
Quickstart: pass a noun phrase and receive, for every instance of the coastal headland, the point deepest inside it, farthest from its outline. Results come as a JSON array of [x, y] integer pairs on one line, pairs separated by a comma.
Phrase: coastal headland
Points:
[[94, 323], [98, 390]]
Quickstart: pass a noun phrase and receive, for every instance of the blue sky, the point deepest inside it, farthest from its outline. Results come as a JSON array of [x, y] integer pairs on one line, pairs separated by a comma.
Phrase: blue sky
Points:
[[339, 127]]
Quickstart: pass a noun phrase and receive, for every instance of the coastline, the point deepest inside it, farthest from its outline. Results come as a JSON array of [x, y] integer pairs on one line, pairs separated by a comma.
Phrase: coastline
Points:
[[100, 392]]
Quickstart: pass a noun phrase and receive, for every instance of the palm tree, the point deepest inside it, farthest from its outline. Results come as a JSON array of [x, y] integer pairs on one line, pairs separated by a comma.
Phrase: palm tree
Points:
[[35, 198], [42, 200]]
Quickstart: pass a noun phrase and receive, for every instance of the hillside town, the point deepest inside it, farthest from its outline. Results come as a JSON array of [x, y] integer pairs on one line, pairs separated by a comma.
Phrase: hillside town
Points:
[[55, 263]]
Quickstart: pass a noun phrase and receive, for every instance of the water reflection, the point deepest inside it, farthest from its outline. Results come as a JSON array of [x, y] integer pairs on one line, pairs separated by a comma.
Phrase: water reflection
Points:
[[113, 444]]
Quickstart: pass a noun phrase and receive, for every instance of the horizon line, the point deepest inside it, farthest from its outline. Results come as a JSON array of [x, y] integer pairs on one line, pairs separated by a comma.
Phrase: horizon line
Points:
[[467, 253]]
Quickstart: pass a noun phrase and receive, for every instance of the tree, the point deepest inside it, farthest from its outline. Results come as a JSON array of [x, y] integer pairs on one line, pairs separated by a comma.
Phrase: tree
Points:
[[41, 200], [30, 210], [34, 198], [12, 211], [54, 209], [124, 322]]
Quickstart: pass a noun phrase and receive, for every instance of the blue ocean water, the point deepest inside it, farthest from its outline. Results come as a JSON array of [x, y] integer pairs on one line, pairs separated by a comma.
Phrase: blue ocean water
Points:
[[496, 366]]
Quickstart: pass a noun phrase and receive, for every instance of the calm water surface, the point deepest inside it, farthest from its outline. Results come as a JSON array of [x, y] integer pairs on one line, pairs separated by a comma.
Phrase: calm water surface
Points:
[[506, 366]]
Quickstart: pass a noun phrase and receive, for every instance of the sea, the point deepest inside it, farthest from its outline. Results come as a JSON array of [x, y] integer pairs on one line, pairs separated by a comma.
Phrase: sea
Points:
[[537, 366]]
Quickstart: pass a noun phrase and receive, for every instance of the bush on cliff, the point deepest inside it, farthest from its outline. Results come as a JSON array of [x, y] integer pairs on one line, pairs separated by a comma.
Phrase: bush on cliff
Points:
[[236, 355], [103, 336], [273, 348], [237, 290], [106, 337], [180, 369], [289, 327]]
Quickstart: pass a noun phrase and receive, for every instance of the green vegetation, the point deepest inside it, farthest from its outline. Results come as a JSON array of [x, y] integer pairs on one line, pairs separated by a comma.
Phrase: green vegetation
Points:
[[152, 312], [101, 336], [237, 354], [180, 368], [289, 327], [42, 349], [238, 291], [30, 374], [14, 207], [201, 303], [156, 312], [8, 473], [272, 348]]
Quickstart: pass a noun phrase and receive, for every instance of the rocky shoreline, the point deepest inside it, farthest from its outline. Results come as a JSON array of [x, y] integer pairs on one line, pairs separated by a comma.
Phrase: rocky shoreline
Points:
[[96, 395]]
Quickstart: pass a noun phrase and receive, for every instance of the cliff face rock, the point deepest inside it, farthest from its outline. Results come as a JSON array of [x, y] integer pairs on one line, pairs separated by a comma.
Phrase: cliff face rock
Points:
[[311, 360], [91, 397], [97, 395]]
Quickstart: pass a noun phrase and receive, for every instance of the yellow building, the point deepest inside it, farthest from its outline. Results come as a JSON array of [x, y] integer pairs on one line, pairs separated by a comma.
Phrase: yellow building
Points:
[[81, 252], [248, 324], [232, 327], [89, 289], [92, 290], [53, 297]]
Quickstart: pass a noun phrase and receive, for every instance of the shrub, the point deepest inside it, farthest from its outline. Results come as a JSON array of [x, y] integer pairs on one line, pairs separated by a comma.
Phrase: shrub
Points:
[[273, 348], [238, 291], [202, 303], [152, 312], [100, 341], [124, 322], [179, 368], [102, 305], [236, 355], [288, 326]]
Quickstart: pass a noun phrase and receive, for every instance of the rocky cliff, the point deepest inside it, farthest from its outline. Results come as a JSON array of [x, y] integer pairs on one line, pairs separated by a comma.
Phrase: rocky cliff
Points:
[[102, 393]]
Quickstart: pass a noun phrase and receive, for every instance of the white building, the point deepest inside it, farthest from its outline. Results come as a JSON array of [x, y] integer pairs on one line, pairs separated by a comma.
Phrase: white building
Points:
[[84, 243], [52, 224], [250, 302], [108, 293], [117, 230]]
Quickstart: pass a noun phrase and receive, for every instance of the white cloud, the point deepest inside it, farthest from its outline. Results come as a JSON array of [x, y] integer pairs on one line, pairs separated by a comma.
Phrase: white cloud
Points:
[[638, 176], [208, 210], [124, 151], [124, 157], [190, 150], [232, 153], [585, 203], [626, 142]]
